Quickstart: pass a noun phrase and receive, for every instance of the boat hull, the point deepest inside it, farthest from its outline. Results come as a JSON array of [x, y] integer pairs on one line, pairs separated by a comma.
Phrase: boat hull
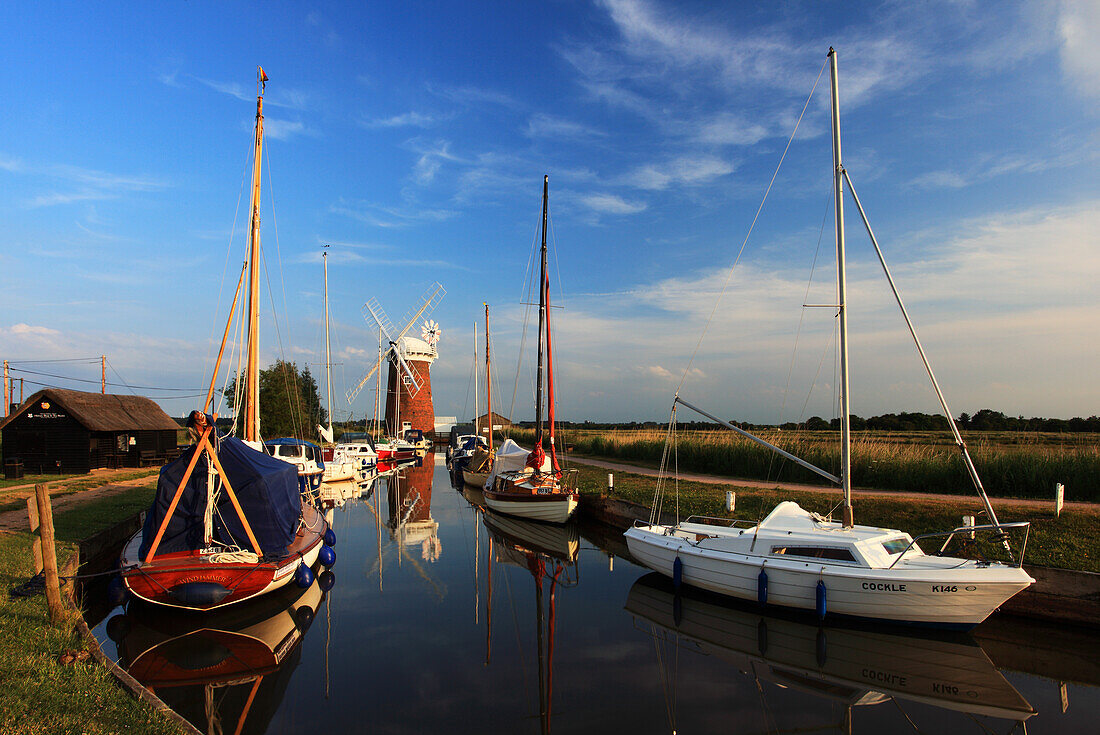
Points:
[[477, 479], [192, 580], [950, 598], [549, 508]]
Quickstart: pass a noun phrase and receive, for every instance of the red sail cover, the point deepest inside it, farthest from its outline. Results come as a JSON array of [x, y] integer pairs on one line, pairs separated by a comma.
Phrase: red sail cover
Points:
[[550, 381]]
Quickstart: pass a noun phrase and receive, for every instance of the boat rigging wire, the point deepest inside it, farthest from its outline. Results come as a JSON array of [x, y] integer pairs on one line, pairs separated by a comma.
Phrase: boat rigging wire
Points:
[[228, 253], [759, 209]]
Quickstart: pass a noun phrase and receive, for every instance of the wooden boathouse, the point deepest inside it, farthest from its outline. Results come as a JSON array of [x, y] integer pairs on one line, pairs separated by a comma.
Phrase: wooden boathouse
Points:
[[72, 432]]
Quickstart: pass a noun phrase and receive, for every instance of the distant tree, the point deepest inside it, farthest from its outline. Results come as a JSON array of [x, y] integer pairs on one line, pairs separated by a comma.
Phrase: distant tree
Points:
[[290, 403], [816, 423]]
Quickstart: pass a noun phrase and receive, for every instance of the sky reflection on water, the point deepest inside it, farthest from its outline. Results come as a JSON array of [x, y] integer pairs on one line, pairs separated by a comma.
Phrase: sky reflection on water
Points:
[[408, 642]]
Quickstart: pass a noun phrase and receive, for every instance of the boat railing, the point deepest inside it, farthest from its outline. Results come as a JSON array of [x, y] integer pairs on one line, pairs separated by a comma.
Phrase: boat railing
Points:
[[568, 480], [718, 521], [948, 536]]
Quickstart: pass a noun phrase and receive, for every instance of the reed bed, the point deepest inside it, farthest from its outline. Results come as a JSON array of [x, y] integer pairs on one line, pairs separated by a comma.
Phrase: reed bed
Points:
[[1010, 466]]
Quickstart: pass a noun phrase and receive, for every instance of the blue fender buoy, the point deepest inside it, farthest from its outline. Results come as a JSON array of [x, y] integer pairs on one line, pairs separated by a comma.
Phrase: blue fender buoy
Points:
[[303, 617], [821, 604], [118, 627], [117, 592], [327, 556], [677, 573], [762, 587], [330, 537], [303, 576], [326, 580]]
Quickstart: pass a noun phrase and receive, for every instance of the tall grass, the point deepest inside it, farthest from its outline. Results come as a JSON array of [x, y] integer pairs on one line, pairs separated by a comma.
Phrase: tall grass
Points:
[[919, 462]]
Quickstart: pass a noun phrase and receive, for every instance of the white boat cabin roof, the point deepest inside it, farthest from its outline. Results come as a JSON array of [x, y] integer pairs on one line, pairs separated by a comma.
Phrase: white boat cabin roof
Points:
[[793, 532]]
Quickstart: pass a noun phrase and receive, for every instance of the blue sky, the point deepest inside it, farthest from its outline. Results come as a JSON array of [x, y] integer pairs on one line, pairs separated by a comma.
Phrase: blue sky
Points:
[[414, 136]]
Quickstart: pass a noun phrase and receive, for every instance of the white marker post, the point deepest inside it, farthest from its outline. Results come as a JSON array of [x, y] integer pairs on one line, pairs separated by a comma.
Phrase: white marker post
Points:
[[1059, 498], [731, 500], [969, 521], [610, 482]]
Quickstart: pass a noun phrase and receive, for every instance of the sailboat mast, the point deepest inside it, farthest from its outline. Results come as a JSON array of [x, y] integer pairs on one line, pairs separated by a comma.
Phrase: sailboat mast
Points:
[[488, 381], [477, 404], [842, 310], [542, 314], [328, 344], [252, 375]]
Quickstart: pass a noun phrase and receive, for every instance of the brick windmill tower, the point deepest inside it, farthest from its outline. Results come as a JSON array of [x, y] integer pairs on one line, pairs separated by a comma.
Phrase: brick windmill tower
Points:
[[409, 360], [407, 405]]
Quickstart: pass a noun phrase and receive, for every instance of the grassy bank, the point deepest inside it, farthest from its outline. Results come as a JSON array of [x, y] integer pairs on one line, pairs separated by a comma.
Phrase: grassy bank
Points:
[[12, 498], [1010, 467], [40, 694], [1068, 542]]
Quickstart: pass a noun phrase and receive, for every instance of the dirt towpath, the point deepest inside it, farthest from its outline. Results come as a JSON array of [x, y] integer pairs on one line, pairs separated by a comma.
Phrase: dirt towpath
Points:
[[1046, 505], [16, 520]]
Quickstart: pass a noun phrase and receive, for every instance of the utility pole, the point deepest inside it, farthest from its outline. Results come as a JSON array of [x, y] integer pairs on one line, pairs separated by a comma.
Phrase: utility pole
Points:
[[103, 374], [7, 390]]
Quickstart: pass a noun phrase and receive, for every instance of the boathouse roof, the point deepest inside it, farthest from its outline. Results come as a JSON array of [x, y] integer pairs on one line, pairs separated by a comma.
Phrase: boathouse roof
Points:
[[99, 412]]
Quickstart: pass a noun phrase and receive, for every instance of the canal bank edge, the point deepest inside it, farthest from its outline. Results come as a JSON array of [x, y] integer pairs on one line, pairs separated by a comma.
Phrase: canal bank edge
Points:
[[1058, 595], [122, 677]]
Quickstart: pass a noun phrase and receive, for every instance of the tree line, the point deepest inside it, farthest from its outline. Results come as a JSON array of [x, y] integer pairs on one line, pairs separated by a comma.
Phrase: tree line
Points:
[[984, 420]]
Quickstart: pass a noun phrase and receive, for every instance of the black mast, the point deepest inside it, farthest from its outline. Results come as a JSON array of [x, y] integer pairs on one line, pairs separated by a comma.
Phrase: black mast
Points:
[[542, 314]]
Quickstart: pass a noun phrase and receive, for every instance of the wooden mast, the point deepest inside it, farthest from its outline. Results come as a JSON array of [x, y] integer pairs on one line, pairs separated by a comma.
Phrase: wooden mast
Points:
[[488, 381], [328, 345], [252, 373], [542, 316]]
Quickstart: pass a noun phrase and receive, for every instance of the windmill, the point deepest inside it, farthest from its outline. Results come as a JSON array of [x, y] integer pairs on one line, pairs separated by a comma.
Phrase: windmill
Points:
[[403, 351]]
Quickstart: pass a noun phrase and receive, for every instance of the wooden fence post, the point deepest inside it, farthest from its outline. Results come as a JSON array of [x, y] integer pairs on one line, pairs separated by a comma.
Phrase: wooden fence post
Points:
[[49, 552]]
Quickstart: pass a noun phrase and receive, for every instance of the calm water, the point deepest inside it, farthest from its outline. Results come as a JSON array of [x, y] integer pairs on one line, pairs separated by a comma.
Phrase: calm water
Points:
[[574, 639]]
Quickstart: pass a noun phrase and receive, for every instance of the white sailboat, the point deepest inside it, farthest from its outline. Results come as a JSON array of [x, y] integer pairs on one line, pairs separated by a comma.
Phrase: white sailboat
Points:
[[799, 559]]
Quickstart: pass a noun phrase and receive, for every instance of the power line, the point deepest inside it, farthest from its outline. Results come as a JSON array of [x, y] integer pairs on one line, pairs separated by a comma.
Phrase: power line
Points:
[[161, 398], [98, 382]]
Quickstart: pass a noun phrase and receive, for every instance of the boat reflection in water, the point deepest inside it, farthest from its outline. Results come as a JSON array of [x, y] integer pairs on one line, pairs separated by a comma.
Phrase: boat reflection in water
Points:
[[224, 671], [409, 492], [549, 553], [855, 667]]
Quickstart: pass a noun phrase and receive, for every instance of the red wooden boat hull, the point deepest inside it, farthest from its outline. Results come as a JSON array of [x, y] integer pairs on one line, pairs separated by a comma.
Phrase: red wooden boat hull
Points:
[[173, 579]]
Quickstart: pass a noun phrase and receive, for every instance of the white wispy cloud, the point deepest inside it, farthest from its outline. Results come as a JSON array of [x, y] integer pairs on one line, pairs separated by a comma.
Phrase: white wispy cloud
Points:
[[542, 125], [285, 129], [1005, 306], [83, 184], [473, 96], [1079, 27], [690, 170], [289, 97], [611, 204], [386, 216], [408, 119]]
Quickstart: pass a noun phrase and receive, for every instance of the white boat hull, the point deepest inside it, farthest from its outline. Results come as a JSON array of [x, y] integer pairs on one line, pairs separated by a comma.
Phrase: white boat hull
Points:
[[955, 598], [556, 508]]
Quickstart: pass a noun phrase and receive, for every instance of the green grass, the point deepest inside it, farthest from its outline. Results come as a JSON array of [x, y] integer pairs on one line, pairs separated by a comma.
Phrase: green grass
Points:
[[39, 694], [1068, 542], [70, 484], [1010, 467]]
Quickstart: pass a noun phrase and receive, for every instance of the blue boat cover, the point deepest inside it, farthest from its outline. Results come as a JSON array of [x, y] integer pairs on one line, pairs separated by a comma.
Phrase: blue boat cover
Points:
[[266, 487]]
